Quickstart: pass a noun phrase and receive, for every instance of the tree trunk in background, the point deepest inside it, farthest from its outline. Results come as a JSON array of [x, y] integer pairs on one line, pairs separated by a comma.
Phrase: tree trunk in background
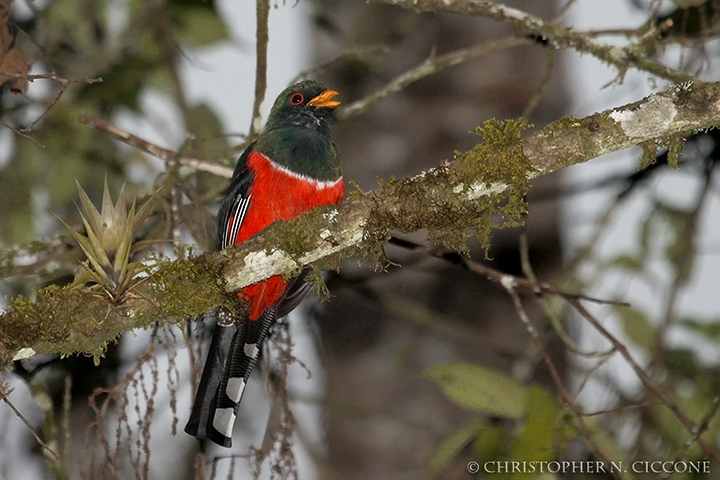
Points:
[[381, 330]]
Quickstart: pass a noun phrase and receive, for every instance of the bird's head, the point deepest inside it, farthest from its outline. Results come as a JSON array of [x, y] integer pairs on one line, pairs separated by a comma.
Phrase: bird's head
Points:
[[307, 103]]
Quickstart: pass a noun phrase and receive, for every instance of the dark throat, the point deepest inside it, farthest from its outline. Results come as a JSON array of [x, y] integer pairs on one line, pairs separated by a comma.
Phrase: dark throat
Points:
[[303, 147]]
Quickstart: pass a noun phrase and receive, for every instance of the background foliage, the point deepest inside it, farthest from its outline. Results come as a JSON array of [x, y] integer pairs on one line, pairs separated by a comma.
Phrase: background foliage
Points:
[[437, 366]]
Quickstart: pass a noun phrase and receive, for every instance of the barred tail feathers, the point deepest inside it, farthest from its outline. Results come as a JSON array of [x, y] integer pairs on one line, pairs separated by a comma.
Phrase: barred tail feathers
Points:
[[243, 356], [212, 375]]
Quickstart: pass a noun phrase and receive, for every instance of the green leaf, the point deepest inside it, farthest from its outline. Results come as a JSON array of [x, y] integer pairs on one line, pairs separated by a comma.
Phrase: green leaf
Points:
[[538, 436], [480, 389], [109, 234], [205, 125], [84, 244], [609, 448], [451, 446], [97, 252], [124, 81], [637, 327], [627, 262], [88, 210], [680, 249], [491, 443], [681, 363], [198, 25], [709, 329]]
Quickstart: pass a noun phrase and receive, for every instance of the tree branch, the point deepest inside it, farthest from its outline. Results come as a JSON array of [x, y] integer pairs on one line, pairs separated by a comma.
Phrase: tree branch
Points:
[[557, 35], [431, 65], [563, 143], [261, 46], [152, 149], [363, 224]]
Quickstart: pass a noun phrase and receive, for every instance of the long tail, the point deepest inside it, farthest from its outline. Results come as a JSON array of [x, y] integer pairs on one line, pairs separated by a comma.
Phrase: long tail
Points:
[[233, 353]]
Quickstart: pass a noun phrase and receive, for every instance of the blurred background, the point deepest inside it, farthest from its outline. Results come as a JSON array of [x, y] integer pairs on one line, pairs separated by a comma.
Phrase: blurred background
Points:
[[370, 399]]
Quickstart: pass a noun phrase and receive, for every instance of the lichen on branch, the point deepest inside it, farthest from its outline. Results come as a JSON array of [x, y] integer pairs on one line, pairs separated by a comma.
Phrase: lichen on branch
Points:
[[556, 35], [450, 200]]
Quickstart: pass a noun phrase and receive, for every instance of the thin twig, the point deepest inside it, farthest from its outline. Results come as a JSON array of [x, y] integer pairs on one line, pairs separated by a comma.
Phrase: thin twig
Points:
[[563, 11], [556, 35], [171, 170], [4, 393], [429, 66], [508, 282], [263, 13], [644, 378], [65, 83], [18, 132], [537, 96], [588, 373], [682, 268], [702, 427], [54, 102], [497, 276], [151, 148], [352, 53], [623, 408], [51, 76]]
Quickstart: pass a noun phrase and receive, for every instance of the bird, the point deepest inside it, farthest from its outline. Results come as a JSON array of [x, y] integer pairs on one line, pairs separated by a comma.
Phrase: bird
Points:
[[291, 167]]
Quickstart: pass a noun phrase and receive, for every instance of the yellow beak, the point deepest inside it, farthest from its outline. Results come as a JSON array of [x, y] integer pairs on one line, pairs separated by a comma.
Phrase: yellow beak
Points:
[[325, 100]]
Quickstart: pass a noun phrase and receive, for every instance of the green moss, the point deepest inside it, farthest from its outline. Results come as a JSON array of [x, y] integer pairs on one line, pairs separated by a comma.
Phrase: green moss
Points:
[[499, 158], [433, 200], [693, 100], [63, 320], [189, 286], [675, 146], [83, 319], [444, 200], [299, 239], [320, 289], [648, 156]]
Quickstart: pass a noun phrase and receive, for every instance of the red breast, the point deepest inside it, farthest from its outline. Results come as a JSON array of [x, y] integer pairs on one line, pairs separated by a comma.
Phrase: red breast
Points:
[[278, 194]]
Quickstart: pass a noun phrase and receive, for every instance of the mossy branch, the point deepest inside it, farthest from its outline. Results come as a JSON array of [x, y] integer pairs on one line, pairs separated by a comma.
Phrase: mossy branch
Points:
[[456, 197], [658, 119]]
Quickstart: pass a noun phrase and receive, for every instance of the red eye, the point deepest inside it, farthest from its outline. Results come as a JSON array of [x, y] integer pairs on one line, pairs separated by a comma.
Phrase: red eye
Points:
[[297, 98]]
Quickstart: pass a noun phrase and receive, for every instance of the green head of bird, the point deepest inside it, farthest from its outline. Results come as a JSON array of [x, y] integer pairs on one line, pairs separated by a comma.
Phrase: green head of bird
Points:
[[305, 104], [297, 134]]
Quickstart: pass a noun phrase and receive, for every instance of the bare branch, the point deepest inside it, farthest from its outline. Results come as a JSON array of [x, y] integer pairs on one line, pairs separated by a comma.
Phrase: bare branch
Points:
[[262, 37], [4, 393], [645, 379], [702, 428], [20, 133], [431, 65], [65, 83], [557, 35], [152, 149], [510, 286], [52, 76], [497, 276]]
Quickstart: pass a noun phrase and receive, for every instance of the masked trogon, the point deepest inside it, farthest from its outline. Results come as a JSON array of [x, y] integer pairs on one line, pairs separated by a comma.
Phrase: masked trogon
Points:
[[292, 167]]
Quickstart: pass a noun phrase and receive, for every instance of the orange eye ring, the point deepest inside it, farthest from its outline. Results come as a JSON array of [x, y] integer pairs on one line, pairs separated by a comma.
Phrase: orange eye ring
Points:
[[297, 98]]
